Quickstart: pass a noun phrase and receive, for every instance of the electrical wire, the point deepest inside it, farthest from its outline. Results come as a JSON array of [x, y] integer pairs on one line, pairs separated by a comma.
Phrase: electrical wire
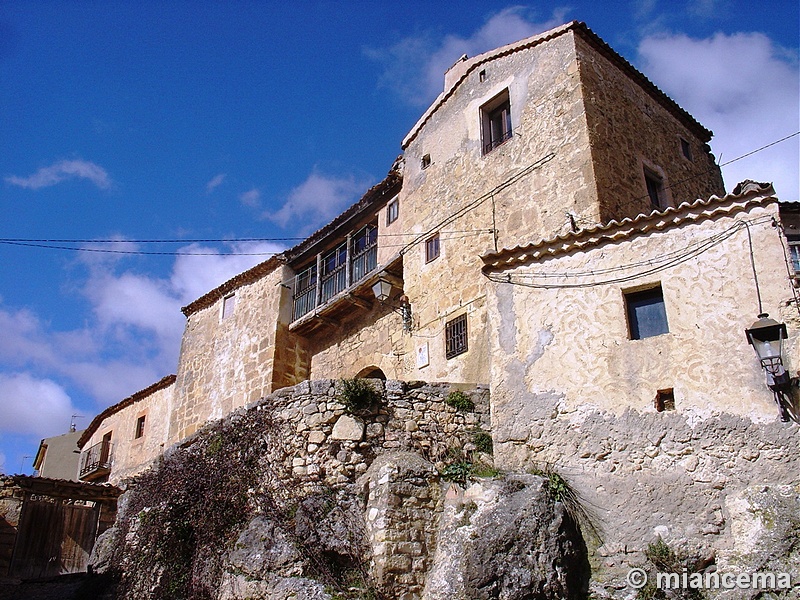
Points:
[[655, 265], [47, 243]]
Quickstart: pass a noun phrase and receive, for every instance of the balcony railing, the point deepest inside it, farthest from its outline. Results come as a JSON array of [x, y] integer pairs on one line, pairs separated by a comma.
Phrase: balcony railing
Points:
[[347, 264], [96, 460]]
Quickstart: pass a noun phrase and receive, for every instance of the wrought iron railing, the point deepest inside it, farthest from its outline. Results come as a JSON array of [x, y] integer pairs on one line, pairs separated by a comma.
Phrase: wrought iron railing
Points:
[[305, 292], [504, 137], [96, 458]]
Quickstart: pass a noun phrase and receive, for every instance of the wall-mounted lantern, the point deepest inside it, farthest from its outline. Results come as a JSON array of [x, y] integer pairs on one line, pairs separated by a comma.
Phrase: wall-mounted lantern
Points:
[[767, 336], [383, 291]]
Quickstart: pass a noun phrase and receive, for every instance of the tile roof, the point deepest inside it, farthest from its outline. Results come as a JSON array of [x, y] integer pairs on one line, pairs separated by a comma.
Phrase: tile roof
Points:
[[384, 190], [743, 197], [115, 408], [587, 34]]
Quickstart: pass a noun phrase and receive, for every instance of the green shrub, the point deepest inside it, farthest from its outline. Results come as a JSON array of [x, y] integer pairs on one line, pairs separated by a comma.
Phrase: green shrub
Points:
[[457, 472], [460, 401], [357, 394], [482, 441]]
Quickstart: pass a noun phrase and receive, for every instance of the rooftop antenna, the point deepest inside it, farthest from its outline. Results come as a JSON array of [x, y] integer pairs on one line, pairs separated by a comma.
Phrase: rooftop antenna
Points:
[[72, 425], [22, 463]]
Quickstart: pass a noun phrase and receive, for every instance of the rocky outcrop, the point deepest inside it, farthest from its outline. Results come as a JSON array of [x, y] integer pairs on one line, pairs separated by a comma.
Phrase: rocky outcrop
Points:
[[233, 513]]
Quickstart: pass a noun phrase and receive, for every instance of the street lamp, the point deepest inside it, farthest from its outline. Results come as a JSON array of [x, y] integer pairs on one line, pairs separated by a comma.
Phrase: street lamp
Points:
[[383, 291], [767, 336]]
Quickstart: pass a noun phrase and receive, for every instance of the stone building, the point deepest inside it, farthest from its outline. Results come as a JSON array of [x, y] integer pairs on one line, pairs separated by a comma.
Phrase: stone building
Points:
[[547, 194]]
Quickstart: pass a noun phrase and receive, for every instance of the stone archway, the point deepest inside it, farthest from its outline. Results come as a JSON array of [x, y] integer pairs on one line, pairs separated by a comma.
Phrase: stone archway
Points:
[[371, 372]]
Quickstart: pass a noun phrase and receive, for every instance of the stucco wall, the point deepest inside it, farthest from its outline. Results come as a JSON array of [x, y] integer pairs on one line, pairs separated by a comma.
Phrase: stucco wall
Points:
[[629, 129], [131, 455], [570, 389], [227, 362]]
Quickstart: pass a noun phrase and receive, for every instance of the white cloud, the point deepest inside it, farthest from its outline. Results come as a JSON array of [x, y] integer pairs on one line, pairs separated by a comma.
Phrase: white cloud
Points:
[[29, 405], [414, 67], [135, 336], [251, 198], [318, 199], [61, 171], [215, 183], [193, 276], [744, 88]]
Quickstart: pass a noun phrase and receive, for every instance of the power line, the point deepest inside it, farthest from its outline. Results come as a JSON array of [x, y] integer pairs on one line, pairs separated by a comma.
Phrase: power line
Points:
[[656, 265], [48, 243], [137, 252]]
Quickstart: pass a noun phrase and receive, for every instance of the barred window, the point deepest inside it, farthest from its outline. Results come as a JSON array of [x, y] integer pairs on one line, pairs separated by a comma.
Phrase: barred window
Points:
[[455, 336]]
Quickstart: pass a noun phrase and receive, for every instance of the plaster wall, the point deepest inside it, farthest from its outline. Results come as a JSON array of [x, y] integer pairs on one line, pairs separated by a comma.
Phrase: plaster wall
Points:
[[628, 130], [570, 389], [60, 457], [132, 455], [226, 362]]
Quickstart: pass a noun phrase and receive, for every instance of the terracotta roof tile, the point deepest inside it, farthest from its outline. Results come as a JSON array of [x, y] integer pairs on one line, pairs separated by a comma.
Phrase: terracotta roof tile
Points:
[[159, 385], [745, 195], [382, 191], [590, 36]]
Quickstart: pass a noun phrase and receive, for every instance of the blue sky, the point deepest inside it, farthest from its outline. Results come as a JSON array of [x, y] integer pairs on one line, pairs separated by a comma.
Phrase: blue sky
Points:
[[220, 121]]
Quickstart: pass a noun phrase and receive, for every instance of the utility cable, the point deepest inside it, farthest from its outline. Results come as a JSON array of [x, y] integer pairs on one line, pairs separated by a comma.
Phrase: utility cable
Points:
[[666, 262]]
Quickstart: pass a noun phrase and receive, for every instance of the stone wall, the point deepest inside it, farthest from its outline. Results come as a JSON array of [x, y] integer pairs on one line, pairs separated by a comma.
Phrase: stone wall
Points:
[[628, 130], [227, 362], [334, 446], [11, 499]]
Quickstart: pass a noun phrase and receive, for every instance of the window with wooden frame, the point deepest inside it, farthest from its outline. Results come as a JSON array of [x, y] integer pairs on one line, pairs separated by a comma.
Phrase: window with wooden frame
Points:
[[228, 305], [432, 248], [392, 211], [647, 315], [655, 188], [686, 149], [139, 431], [455, 336], [496, 122]]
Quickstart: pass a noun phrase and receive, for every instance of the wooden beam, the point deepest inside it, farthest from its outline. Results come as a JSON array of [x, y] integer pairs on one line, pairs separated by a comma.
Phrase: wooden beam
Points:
[[365, 304]]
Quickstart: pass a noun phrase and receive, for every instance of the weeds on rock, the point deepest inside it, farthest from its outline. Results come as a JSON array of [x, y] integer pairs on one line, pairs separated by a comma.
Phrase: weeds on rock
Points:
[[483, 442], [357, 395], [667, 561], [559, 490], [460, 401]]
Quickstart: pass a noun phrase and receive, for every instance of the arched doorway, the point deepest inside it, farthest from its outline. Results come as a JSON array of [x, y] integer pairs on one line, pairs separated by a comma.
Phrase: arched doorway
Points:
[[371, 373]]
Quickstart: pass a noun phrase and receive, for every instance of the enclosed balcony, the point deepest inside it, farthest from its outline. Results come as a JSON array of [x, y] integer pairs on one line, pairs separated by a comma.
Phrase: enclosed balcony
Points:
[[96, 461], [335, 270]]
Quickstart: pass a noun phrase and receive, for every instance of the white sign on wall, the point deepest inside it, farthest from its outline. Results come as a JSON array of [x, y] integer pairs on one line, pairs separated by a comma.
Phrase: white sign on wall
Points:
[[422, 356]]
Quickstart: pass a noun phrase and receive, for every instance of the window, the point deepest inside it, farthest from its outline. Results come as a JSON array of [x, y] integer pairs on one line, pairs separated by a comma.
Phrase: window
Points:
[[686, 149], [228, 305], [139, 427], [496, 122], [655, 188], [432, 248], [426, 161], [482, 75], [647, 315], [665, 400], [794, 253], [455, 336], [392, 211]]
